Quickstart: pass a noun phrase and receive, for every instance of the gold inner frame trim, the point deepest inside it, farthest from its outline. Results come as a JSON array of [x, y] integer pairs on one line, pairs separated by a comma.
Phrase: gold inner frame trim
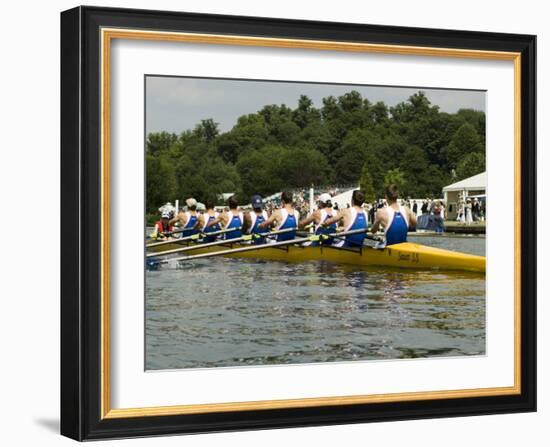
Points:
[[107, 35]]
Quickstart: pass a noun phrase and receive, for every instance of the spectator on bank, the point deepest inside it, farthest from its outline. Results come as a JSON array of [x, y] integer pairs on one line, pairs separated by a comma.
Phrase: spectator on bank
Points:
[[476, 210], [438, 208], [372, 211], [424, 208], [468, 212]]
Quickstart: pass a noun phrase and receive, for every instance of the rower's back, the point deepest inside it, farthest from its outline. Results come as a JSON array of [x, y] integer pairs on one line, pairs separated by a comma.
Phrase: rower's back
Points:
[[234, 219], [208, 217], [289, 218], [357, 219], [397, 225], [191, 218], [257, 217]]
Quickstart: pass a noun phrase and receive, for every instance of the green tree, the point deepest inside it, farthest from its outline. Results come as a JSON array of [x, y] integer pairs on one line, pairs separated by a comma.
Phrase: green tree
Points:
[[305, 114], [366, 184], [304, 167], [470, 165], [261, 171], [395, 177], [160, 142], [465, 141], [418, 105], [380, 113], [355, 151], [160, 182], [250, 133], [207, 130]]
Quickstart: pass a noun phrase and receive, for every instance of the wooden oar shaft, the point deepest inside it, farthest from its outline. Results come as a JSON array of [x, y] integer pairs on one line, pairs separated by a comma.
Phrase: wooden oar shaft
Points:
[[260, 247], [221, 242]]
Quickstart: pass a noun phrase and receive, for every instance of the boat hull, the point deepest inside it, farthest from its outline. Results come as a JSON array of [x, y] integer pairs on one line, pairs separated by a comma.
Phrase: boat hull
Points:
[[405, 255]]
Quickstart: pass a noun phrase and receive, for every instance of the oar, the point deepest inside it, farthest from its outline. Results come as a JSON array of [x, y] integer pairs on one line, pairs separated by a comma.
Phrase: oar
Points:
[[192, 237], [247, 237], [257, 247], [340, 235]]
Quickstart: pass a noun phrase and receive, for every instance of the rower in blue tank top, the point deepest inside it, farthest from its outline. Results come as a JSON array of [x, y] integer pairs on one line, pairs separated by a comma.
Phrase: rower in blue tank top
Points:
[[188, 219], [284, 218], [206, 222], [233, 219], [353, 218], [395, 219], [359, 222], [319, 217], [255, 218], [230, 219]]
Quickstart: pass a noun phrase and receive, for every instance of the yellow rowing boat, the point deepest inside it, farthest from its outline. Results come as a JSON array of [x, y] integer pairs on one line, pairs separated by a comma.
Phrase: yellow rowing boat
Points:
[[404, 255]]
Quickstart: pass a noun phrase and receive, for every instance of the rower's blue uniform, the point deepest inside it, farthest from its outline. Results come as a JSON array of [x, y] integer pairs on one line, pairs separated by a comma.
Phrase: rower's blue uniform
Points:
[[258, 219], [359, 223], [289, 221], [211, 229], [325, 229], [235, 221], [398, 227], [189, 227]]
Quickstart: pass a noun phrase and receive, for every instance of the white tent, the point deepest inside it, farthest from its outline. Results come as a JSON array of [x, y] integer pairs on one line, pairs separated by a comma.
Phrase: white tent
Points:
[[475, 183], [459, 191]]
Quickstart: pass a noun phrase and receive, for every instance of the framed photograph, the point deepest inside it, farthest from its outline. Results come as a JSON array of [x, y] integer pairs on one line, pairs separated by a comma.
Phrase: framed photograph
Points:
[[276, 223]]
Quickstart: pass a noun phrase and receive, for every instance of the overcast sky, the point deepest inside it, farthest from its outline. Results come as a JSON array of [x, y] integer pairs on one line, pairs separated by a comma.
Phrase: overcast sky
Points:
[[176, 104]]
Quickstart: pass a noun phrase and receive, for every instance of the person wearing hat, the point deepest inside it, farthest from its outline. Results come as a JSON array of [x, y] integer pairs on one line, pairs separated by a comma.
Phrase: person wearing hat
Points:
[[318, 218], [163, 226], [209, 215], [254, 218], [188, 219], [232, 218]]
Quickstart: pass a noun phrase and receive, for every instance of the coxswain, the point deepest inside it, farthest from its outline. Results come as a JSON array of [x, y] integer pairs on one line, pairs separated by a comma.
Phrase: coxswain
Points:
[[233, 218], [353, 218], [254, 218], [318, 218], [209, 215], [284, 218], [188, 219], [162, 226], [394, 218]]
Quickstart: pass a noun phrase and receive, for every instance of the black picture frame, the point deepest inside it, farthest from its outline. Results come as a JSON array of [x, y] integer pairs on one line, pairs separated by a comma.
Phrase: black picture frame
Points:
[[81, 210]]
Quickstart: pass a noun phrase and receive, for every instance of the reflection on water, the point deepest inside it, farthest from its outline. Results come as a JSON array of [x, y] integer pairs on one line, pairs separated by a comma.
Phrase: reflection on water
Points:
[[233, 312]]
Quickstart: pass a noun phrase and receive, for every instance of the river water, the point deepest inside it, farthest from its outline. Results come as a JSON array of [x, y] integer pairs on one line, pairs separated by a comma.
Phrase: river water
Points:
[[233, 312]]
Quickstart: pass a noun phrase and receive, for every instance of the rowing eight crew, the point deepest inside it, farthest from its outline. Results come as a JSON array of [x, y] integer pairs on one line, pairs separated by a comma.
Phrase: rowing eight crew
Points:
[[395, 219]]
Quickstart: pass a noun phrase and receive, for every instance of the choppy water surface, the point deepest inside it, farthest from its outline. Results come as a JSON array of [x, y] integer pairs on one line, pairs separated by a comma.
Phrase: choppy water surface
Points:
[[233, 312]]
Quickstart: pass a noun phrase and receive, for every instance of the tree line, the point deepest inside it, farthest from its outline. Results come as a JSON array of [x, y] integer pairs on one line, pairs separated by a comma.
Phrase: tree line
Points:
[[348, 141]]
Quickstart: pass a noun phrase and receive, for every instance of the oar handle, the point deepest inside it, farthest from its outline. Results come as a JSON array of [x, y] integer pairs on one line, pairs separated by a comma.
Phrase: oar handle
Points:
[[247, 237], [192, 237]]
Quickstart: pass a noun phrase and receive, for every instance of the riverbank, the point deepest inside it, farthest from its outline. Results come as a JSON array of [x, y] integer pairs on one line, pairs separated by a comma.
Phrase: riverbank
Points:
[[462, 228]]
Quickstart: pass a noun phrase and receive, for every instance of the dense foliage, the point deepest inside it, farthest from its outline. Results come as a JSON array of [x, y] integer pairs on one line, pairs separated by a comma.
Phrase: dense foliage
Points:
[[347, 141]]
